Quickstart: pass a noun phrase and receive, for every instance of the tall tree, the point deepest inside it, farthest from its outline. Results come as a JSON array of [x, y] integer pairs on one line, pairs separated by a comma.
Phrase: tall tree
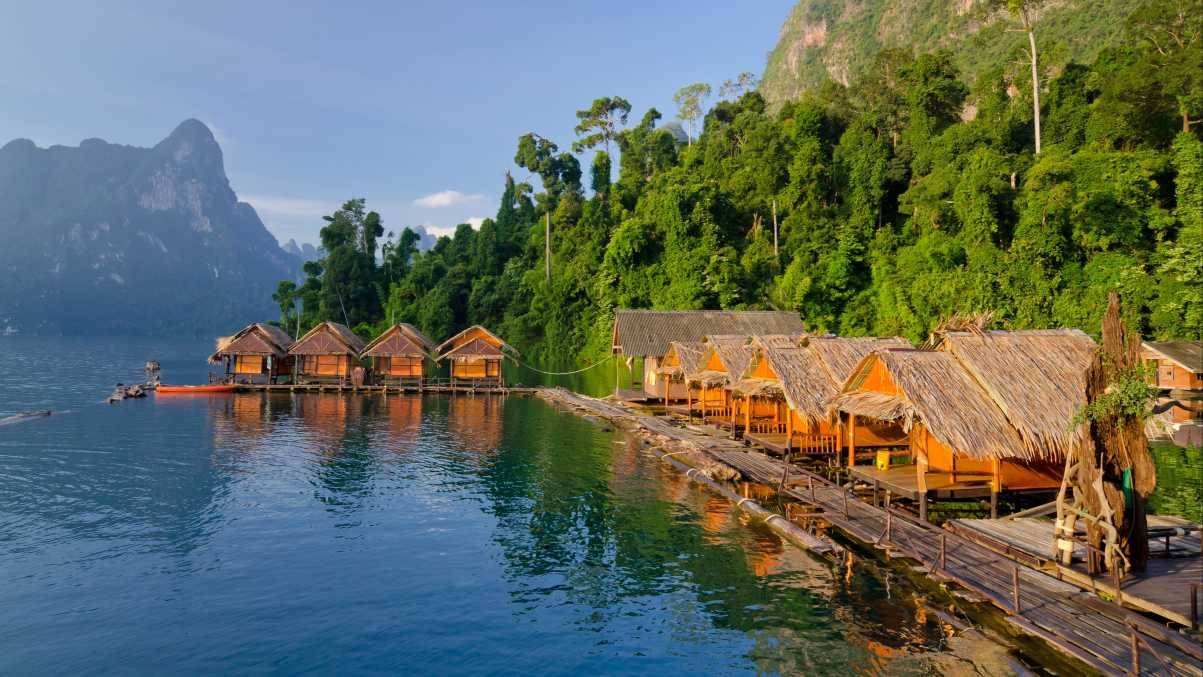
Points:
[[689, 104], [599, 123], [1026, 11], [1172, 33], [743, 83]]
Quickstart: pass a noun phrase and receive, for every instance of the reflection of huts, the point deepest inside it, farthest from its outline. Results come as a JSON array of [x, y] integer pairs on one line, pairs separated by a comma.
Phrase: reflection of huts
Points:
[[398, 356], [646, 334], [256, 354], [326, 353], [787, 385], [681, 359], [475, 354], [1174, 365], [986, 413]]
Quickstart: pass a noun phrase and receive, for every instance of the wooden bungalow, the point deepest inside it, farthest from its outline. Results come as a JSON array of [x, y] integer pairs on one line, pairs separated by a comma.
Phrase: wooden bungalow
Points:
[[788, 383], [985, 413], [476, 355], [1175, 365], [646, 334], [398, 356], [681, 359], [326, 353], [256, 354], [724, 358]]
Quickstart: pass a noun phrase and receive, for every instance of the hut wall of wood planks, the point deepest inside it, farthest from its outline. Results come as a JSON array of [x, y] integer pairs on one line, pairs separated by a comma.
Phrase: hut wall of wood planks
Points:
[[328, 353], [1174, 365], [258, 353], [476, 355], [398, 356]]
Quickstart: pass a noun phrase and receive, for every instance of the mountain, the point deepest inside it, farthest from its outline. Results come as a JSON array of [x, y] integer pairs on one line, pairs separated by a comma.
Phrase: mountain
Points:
[[106, 238], [837, 39], [304, 251]]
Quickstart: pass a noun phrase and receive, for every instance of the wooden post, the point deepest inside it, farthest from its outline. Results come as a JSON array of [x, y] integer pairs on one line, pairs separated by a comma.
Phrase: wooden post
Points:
[[730, 405], [688, 401], [921, 484], [1194, 606], [703, 402], [789, 431], [851, 440], [665, 380], [747, 416], [1015, 589], [942, 559], [995, 487], [1134, 643]]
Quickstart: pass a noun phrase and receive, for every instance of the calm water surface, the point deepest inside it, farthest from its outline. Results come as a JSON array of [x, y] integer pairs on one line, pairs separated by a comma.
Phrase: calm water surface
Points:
[[327, 533]]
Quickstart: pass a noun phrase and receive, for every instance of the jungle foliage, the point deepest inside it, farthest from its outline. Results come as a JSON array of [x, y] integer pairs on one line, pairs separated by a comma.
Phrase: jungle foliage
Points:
[[901, 199]]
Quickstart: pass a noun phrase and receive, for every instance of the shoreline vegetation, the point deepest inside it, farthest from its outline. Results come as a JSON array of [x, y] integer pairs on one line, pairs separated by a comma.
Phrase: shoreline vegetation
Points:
[[873, 209]]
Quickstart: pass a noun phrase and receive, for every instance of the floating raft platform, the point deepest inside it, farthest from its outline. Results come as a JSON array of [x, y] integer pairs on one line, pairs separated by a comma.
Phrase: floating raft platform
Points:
[[1103, 635]]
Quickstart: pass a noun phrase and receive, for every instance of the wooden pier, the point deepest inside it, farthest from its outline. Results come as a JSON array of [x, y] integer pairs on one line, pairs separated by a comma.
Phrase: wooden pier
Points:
[[1102, 634], [384, 389]]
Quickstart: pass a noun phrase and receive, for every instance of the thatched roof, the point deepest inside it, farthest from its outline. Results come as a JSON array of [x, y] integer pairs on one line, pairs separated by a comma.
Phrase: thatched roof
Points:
[[938, 392], [1186, 354], [254, 339], [647, 333], [1036, 377], [688, 354], [328, 338], [399, 340], [811, 370], [474, 342], [733, 352]]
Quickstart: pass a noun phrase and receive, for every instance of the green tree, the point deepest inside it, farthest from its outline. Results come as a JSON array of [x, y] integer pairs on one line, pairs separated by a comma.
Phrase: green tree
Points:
[[689, 104], [599, 123]]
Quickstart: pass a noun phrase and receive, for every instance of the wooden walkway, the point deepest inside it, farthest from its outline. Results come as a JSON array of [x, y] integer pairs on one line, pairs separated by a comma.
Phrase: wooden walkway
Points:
[[1164, 589], [1101, 634], [386, 390]]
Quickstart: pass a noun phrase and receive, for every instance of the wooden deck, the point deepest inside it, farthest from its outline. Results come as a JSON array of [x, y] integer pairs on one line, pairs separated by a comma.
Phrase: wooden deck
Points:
[[1101, 634], [1163, 589], [903, 482]]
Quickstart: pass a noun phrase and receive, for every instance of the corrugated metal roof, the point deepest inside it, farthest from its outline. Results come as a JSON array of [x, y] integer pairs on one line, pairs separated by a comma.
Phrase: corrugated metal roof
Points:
[[1187, 354], [648, 333]]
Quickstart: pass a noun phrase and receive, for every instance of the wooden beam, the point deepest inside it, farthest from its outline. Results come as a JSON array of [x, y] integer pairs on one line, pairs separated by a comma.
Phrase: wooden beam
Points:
[[851, 440]]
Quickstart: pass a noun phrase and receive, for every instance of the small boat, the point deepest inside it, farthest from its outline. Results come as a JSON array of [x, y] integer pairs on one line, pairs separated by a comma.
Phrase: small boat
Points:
[[197, 390]]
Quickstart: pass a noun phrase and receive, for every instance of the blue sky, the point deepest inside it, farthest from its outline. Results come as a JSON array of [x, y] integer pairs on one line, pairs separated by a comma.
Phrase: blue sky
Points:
[[415, 106]]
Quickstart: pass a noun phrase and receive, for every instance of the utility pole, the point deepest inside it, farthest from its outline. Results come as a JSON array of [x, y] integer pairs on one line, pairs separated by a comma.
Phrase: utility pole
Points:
[[547, 246], [776, 255]]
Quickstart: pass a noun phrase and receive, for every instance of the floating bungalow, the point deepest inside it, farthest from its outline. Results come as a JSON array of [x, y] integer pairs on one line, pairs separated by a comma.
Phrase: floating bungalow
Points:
[[398, 356], [724, 358], [646, 334], [476, 354], [787, 385], [1176, 365], [983, 414], [326, 354], [681, 359], [256, 354]]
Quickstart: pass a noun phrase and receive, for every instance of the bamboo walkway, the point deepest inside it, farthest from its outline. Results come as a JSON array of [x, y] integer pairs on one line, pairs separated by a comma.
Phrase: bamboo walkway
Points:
[[1101, 634]]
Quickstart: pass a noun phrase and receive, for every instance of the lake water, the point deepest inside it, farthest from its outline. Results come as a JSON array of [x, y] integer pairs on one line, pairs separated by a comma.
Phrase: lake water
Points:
[[364, 534]]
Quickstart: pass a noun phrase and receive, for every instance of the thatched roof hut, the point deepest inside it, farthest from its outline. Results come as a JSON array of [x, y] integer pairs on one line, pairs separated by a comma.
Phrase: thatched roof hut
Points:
[[400, 340], [648, 333], [682, 358], [328, 338], [255, 339], [1036, 377], [475, 342], [724, 359], [932, 388], [809, 370]]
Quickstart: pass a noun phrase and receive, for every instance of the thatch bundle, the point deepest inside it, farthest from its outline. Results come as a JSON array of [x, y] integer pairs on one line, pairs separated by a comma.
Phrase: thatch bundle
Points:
[[734, 354], [1036, 377], [972, 323]]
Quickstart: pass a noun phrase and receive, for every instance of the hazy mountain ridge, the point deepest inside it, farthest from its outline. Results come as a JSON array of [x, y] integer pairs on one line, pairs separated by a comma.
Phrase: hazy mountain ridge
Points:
[[837, 39], [110, 238]]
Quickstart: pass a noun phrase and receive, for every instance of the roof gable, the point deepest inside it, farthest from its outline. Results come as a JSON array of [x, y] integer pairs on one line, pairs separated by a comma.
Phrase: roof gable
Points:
[[328, 338], [470, 335], [398, 340], [1185, 354], [254, 339]]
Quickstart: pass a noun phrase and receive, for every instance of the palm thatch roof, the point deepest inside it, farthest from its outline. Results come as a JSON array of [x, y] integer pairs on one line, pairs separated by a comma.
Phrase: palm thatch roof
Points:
[[734, 353], [328, 338], [474, 342], [1186, 354], [810, 370], [648, 333], [687, 354], [1036, 377], [254, 339], [400, 340], [934, 389]]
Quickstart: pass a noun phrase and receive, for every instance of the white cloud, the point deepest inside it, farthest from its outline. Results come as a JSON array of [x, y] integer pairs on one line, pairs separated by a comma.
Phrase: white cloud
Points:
[[475, 222], [446, 198]]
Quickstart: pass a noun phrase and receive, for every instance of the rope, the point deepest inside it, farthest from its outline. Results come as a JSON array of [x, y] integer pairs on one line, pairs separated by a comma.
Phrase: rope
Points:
[[564, 373]]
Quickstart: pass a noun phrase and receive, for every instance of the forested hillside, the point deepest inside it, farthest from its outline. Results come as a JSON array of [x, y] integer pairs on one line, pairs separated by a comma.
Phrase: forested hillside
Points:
[[903, 198]]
